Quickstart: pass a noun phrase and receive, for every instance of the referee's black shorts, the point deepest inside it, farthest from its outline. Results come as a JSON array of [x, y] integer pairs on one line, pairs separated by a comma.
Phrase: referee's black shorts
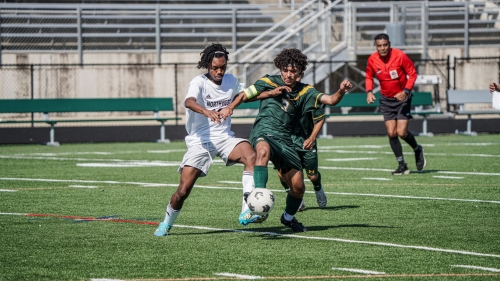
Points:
[[392, 109]]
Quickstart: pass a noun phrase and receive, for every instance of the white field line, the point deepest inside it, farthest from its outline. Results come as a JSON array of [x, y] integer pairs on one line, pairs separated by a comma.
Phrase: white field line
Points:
[[131, 164], [144, 184], [167, 151], [477, 267], [82, 186], [105, 279], [81, 159], [411, 197], [382, 244], [233, 182], [8, 190], [239, 276], [446, 177], [351, 159], [389, 170], [359, 271], [377, 179], [407, 153]]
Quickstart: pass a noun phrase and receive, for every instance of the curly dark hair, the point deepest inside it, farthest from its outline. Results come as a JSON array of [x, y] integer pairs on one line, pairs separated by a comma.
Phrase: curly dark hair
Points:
[[293, 57], [209, 53]]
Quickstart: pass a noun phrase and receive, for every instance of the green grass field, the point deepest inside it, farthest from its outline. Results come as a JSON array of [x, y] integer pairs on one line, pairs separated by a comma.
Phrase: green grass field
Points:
[[88, 211]]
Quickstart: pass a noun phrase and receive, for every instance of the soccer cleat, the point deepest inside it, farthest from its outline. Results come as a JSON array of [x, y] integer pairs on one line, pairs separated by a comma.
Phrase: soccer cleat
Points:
[[302, 206], [401, 170], [420, 158], [293, 224], [163, 229], [321, 198], [247, 217]]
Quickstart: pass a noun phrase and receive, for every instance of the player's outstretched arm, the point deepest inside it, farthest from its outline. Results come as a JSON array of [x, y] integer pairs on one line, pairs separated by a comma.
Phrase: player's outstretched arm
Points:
[[334, 99], [272, 93]]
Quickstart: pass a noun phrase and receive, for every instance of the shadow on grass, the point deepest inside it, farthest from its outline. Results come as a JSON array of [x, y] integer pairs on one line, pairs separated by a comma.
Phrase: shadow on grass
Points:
[[330, 208], [426, 171]]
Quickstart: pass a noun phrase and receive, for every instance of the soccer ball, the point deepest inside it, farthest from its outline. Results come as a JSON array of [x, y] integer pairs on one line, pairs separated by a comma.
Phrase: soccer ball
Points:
[[260, 201]]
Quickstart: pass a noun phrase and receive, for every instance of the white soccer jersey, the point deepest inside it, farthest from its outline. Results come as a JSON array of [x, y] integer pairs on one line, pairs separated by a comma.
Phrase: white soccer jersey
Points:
[[200, 128]]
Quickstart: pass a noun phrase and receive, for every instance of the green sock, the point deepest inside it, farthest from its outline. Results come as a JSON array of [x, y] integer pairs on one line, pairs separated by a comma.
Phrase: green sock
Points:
[[317, 182], [292, 204], [260, 175]]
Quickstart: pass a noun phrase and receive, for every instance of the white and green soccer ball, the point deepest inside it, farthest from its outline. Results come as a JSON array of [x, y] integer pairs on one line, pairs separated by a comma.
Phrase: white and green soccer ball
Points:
[[260, 201]]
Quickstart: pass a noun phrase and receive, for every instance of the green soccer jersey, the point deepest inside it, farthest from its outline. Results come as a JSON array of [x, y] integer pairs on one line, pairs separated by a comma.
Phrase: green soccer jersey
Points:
[[278, 115], [305, 126]]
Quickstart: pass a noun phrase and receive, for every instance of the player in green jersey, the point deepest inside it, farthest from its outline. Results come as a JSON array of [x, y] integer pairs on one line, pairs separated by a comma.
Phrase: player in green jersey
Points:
[[304, 138], [271, 134]]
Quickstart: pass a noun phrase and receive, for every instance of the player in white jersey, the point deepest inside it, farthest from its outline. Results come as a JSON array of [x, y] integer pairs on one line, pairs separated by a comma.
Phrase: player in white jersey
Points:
[[210, 135]]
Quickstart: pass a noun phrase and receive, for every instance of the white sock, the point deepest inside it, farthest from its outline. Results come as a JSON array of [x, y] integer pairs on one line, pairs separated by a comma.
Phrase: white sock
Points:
[[171, 215], [248, 186], [287, 216]]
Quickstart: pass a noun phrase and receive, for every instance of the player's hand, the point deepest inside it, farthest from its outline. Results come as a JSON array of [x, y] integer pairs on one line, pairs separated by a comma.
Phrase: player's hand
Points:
[[370, 98], [400, 96], [494, 87], [279, 90], [212, 115], [345, 86], [225, 112], [308, 144]]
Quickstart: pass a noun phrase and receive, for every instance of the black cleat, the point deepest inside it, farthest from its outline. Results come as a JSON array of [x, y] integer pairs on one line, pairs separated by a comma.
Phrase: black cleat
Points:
[[420, 158], [293, 224], [401, 170]]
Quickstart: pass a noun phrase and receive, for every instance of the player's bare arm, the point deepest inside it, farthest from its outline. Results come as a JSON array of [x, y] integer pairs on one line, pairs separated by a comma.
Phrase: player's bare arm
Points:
[[194, 106], [272, 93], [334, 99], [311, 140]]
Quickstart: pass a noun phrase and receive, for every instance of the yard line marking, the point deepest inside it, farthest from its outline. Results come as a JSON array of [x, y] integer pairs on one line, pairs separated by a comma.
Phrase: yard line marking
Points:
[[359, 271], [328, 277], [477, 267], [412, 197], [355, 169], [167, 151], [408, 153], [144, 184], [105, 279], [383, 244], [354, 146], [132, 164], [446, 177], [377, 179], [239, 276], [389, 170], [8, 190], [470, 173], [82, 186], [351, 159]]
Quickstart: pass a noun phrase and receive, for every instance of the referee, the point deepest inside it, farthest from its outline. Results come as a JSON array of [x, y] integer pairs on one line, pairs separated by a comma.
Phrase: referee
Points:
[[396, 74]]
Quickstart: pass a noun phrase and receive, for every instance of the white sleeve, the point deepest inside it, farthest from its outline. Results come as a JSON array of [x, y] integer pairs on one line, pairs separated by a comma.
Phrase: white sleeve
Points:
[[194, 91]]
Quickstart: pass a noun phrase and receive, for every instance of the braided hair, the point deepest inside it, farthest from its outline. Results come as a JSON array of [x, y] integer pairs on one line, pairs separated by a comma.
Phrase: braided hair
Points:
[[214, 50], [293, 57]]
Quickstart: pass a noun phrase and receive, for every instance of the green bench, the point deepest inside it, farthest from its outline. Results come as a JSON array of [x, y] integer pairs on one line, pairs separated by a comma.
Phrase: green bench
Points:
[[47, 106], [419, 100]]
